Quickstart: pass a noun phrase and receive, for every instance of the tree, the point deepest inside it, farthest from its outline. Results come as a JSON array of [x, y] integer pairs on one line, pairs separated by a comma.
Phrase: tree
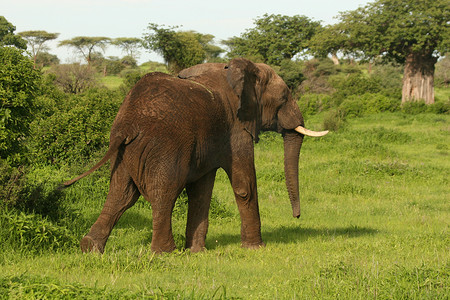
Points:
[[328, 40], [86, 45], [412, 32], [274, 38], [7, 36], [179, 49], [36, 39], [19, 86], [129, 45]]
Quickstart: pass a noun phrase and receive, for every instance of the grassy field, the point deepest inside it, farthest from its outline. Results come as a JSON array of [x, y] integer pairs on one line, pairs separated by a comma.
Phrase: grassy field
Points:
[[374, 225]]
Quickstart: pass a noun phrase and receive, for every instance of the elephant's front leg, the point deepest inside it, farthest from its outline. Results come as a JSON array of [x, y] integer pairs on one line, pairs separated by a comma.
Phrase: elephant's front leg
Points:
[[199, 194], [243, 180]]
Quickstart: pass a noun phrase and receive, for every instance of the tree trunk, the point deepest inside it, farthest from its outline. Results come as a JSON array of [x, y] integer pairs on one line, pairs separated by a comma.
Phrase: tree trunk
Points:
[[418, 78], [335, 58]]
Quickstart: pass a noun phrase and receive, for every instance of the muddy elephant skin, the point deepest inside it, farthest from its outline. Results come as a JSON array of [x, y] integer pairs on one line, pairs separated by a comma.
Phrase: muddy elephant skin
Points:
[[174, 132]]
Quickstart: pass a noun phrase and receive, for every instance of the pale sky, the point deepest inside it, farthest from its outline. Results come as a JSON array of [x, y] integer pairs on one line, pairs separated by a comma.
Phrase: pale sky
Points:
[[130, 18]]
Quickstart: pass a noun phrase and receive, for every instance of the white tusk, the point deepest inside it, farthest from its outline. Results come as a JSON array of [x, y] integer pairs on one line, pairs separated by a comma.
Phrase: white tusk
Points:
[[303, 130]]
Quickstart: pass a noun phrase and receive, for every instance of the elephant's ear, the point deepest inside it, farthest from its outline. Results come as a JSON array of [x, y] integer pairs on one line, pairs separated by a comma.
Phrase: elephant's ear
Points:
[[242, 75]]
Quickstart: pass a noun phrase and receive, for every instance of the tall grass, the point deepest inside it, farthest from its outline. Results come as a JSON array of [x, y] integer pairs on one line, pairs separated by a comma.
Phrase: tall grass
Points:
[[374, 224]]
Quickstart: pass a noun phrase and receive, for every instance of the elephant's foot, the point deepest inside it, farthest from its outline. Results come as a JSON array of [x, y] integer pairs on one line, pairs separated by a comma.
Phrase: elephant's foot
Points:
[[88, 244], [160, 248], [196, 248], [253, 245]]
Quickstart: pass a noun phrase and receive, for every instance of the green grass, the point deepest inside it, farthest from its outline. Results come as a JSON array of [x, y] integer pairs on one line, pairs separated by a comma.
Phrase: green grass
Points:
[[111, 82], [375, 224]]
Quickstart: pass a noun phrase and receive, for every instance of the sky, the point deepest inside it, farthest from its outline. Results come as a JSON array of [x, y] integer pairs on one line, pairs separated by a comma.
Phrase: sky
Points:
[[130, 18]]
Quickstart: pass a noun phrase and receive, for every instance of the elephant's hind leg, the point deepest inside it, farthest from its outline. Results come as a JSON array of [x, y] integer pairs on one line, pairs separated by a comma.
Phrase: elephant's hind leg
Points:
[[199, 194], [123, 194]]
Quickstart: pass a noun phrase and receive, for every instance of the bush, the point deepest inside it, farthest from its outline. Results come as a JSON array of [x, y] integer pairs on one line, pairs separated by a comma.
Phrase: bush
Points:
[[334, 120], [20, 84], [389, 76], [357, 105], [291, 72], [417, 107], [74, 78], [45, 59], [311, 104], [76, 129], [31, 190], [355, 84]]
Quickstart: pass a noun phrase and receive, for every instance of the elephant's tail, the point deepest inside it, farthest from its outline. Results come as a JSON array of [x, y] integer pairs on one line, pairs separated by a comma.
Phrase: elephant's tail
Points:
[[113, 148]]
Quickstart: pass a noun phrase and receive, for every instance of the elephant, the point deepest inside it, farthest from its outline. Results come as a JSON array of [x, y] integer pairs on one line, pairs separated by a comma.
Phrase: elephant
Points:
[[174, 132]]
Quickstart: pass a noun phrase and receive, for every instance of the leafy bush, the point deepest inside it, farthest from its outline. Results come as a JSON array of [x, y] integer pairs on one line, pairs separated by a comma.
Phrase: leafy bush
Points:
[[389, 76], [76, 128], [311, 104], [334, 120], [130, 78], [291, 72], [355, 84], [357, 105], [417, 107], [31, 190], [19, 86]]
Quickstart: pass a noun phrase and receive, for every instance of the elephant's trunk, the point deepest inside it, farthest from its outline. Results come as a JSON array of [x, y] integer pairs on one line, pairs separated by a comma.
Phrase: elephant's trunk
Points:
[[292, 145]]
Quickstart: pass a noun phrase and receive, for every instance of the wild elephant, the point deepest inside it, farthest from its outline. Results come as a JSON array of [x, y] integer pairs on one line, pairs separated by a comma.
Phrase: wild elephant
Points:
[[173, 133]]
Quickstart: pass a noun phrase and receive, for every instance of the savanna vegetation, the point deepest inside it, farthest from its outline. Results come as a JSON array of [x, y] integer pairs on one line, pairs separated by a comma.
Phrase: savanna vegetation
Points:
[[374, 191]]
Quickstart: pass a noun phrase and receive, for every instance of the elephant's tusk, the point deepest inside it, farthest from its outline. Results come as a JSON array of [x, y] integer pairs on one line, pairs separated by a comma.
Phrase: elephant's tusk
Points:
[[303, 130]]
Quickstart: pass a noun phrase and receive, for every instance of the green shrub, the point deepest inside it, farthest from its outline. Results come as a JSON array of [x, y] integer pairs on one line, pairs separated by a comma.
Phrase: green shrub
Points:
[[334, 120], [291, 72], [32, 190], [20, 84], [311, 104], [355, 84], [414, 107], [368, 103], [130, 78], [77, 128]]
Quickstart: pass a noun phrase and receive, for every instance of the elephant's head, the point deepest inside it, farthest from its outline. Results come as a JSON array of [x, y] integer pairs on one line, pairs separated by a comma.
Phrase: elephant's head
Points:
[[266, 104]]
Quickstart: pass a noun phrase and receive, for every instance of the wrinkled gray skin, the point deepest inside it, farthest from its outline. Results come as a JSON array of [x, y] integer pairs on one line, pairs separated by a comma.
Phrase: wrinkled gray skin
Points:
[[173, 133]]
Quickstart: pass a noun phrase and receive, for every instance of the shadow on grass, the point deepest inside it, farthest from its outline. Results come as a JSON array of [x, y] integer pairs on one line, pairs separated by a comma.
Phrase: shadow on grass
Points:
[[288, 235]]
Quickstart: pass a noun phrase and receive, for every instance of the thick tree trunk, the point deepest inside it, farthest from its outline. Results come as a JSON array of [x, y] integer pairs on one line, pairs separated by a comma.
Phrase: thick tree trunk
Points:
[[418, 78]]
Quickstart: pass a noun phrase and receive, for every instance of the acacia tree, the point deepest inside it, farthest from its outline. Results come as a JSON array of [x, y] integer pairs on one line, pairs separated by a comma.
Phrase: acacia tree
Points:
[[86, 45], [129, 45], [412, 32], [274, 38], [36, 39]]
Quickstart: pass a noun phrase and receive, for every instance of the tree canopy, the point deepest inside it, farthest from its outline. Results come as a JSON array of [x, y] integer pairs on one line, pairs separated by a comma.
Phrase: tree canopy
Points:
[[180, 49], [86, 45], [36, 39], [7, 36], [129, 45], [274, 38], [398, 28]]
